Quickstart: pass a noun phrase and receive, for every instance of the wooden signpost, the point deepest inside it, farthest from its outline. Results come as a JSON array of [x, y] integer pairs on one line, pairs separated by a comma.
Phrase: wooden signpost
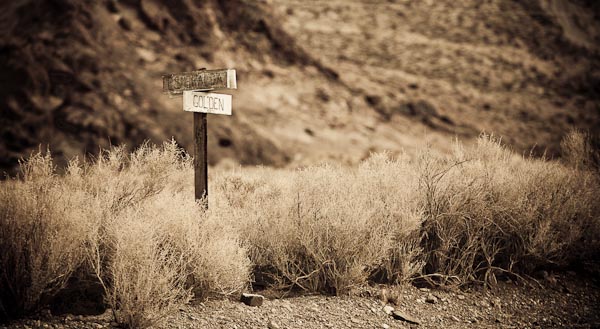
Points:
[[193, 85]]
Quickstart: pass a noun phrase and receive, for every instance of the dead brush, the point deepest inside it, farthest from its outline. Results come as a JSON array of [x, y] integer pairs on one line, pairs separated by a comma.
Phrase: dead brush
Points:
[[499, 213], [477, 214], [154, 247], [330, 227], [42, 237]]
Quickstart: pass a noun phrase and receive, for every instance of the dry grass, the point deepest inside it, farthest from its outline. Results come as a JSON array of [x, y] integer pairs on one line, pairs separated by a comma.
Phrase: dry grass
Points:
[[488, 211], [476, 214], [124, 218], [326, 228], [41, 237]]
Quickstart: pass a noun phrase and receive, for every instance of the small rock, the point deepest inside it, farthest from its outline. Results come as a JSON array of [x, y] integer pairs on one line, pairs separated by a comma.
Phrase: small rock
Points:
[[273, 325], [125, 24], [385, 326], [252, 299], [431, 299], [354, 320], [455, 318], [388, 309], [461, 297], [404, 317], [424, 289], [146, 55]]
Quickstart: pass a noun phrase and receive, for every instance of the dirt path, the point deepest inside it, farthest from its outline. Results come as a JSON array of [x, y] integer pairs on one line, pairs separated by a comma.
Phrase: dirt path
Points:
[[557, 302]]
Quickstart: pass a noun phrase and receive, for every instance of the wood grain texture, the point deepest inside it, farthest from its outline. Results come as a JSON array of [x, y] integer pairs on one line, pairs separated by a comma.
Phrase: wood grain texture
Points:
[[200, 157], [176, 83]]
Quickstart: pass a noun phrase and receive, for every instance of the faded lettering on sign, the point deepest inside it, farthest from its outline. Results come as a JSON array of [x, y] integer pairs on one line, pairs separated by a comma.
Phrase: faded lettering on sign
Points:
[[199, 80]]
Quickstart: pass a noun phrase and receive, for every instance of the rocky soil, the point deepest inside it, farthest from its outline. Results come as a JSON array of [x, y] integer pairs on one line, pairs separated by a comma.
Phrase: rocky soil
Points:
[[558, 301]]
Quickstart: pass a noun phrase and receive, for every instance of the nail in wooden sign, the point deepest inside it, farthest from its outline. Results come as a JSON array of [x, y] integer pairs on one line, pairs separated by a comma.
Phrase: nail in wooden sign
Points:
[[177, 83], [203, 102]]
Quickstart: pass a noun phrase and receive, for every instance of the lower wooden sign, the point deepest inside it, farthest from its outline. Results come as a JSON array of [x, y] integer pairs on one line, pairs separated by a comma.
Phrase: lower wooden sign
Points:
[[204, 102]]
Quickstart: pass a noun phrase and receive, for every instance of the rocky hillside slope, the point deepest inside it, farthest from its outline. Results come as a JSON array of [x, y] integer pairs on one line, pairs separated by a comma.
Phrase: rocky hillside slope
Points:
[[317, 80]]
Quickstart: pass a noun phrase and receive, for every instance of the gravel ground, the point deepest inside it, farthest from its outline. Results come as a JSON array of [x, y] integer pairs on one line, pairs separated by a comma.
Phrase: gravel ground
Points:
[[555, 302]]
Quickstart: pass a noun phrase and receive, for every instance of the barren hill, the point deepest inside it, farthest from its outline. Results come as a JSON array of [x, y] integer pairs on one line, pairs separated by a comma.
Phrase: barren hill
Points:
[[317, 79]]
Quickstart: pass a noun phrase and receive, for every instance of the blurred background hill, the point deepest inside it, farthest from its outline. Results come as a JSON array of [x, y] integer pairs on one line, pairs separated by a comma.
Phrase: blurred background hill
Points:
[[318, 80]]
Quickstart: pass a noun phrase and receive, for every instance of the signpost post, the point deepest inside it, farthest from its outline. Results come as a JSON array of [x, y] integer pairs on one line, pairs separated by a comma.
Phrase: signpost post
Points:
[[193, 86]]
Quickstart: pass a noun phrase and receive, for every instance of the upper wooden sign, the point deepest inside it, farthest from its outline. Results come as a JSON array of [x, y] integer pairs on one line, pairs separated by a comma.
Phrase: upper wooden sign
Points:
[[176, 83]]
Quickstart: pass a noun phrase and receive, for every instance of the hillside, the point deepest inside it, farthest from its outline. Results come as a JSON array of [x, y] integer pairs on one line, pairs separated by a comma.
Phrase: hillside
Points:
[[317, 80]]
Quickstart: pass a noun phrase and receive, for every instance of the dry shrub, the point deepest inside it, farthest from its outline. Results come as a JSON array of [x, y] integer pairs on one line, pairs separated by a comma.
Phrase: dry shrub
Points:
[[221, 265], [391, 193], [130, 219], [325, 228], [147, 273], [477, 213], [580, 150], [488, 211], [155, 245], [42, 237]]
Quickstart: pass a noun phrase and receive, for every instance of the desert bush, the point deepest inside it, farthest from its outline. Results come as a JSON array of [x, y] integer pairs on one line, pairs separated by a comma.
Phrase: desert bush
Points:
[[581, 150], [489, 211], [155, 246], [326, 228], [131, 220], [146, 274], [392, 185], [310, 240], [42, 237], [479, 212]]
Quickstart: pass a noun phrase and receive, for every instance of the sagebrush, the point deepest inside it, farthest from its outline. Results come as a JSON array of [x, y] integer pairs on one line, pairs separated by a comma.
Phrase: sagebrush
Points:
[[472, 216]]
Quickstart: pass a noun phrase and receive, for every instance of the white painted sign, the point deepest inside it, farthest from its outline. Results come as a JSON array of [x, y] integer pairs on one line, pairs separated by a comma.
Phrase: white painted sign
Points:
[[203, 102]]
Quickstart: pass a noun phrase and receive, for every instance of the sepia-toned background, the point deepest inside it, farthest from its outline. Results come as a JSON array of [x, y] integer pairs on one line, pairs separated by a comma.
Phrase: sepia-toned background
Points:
[[317, 80]]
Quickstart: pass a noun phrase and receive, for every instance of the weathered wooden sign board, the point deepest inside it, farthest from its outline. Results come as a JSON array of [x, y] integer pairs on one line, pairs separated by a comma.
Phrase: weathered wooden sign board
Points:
[[191, 85], [177, 83], [203, 102]]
